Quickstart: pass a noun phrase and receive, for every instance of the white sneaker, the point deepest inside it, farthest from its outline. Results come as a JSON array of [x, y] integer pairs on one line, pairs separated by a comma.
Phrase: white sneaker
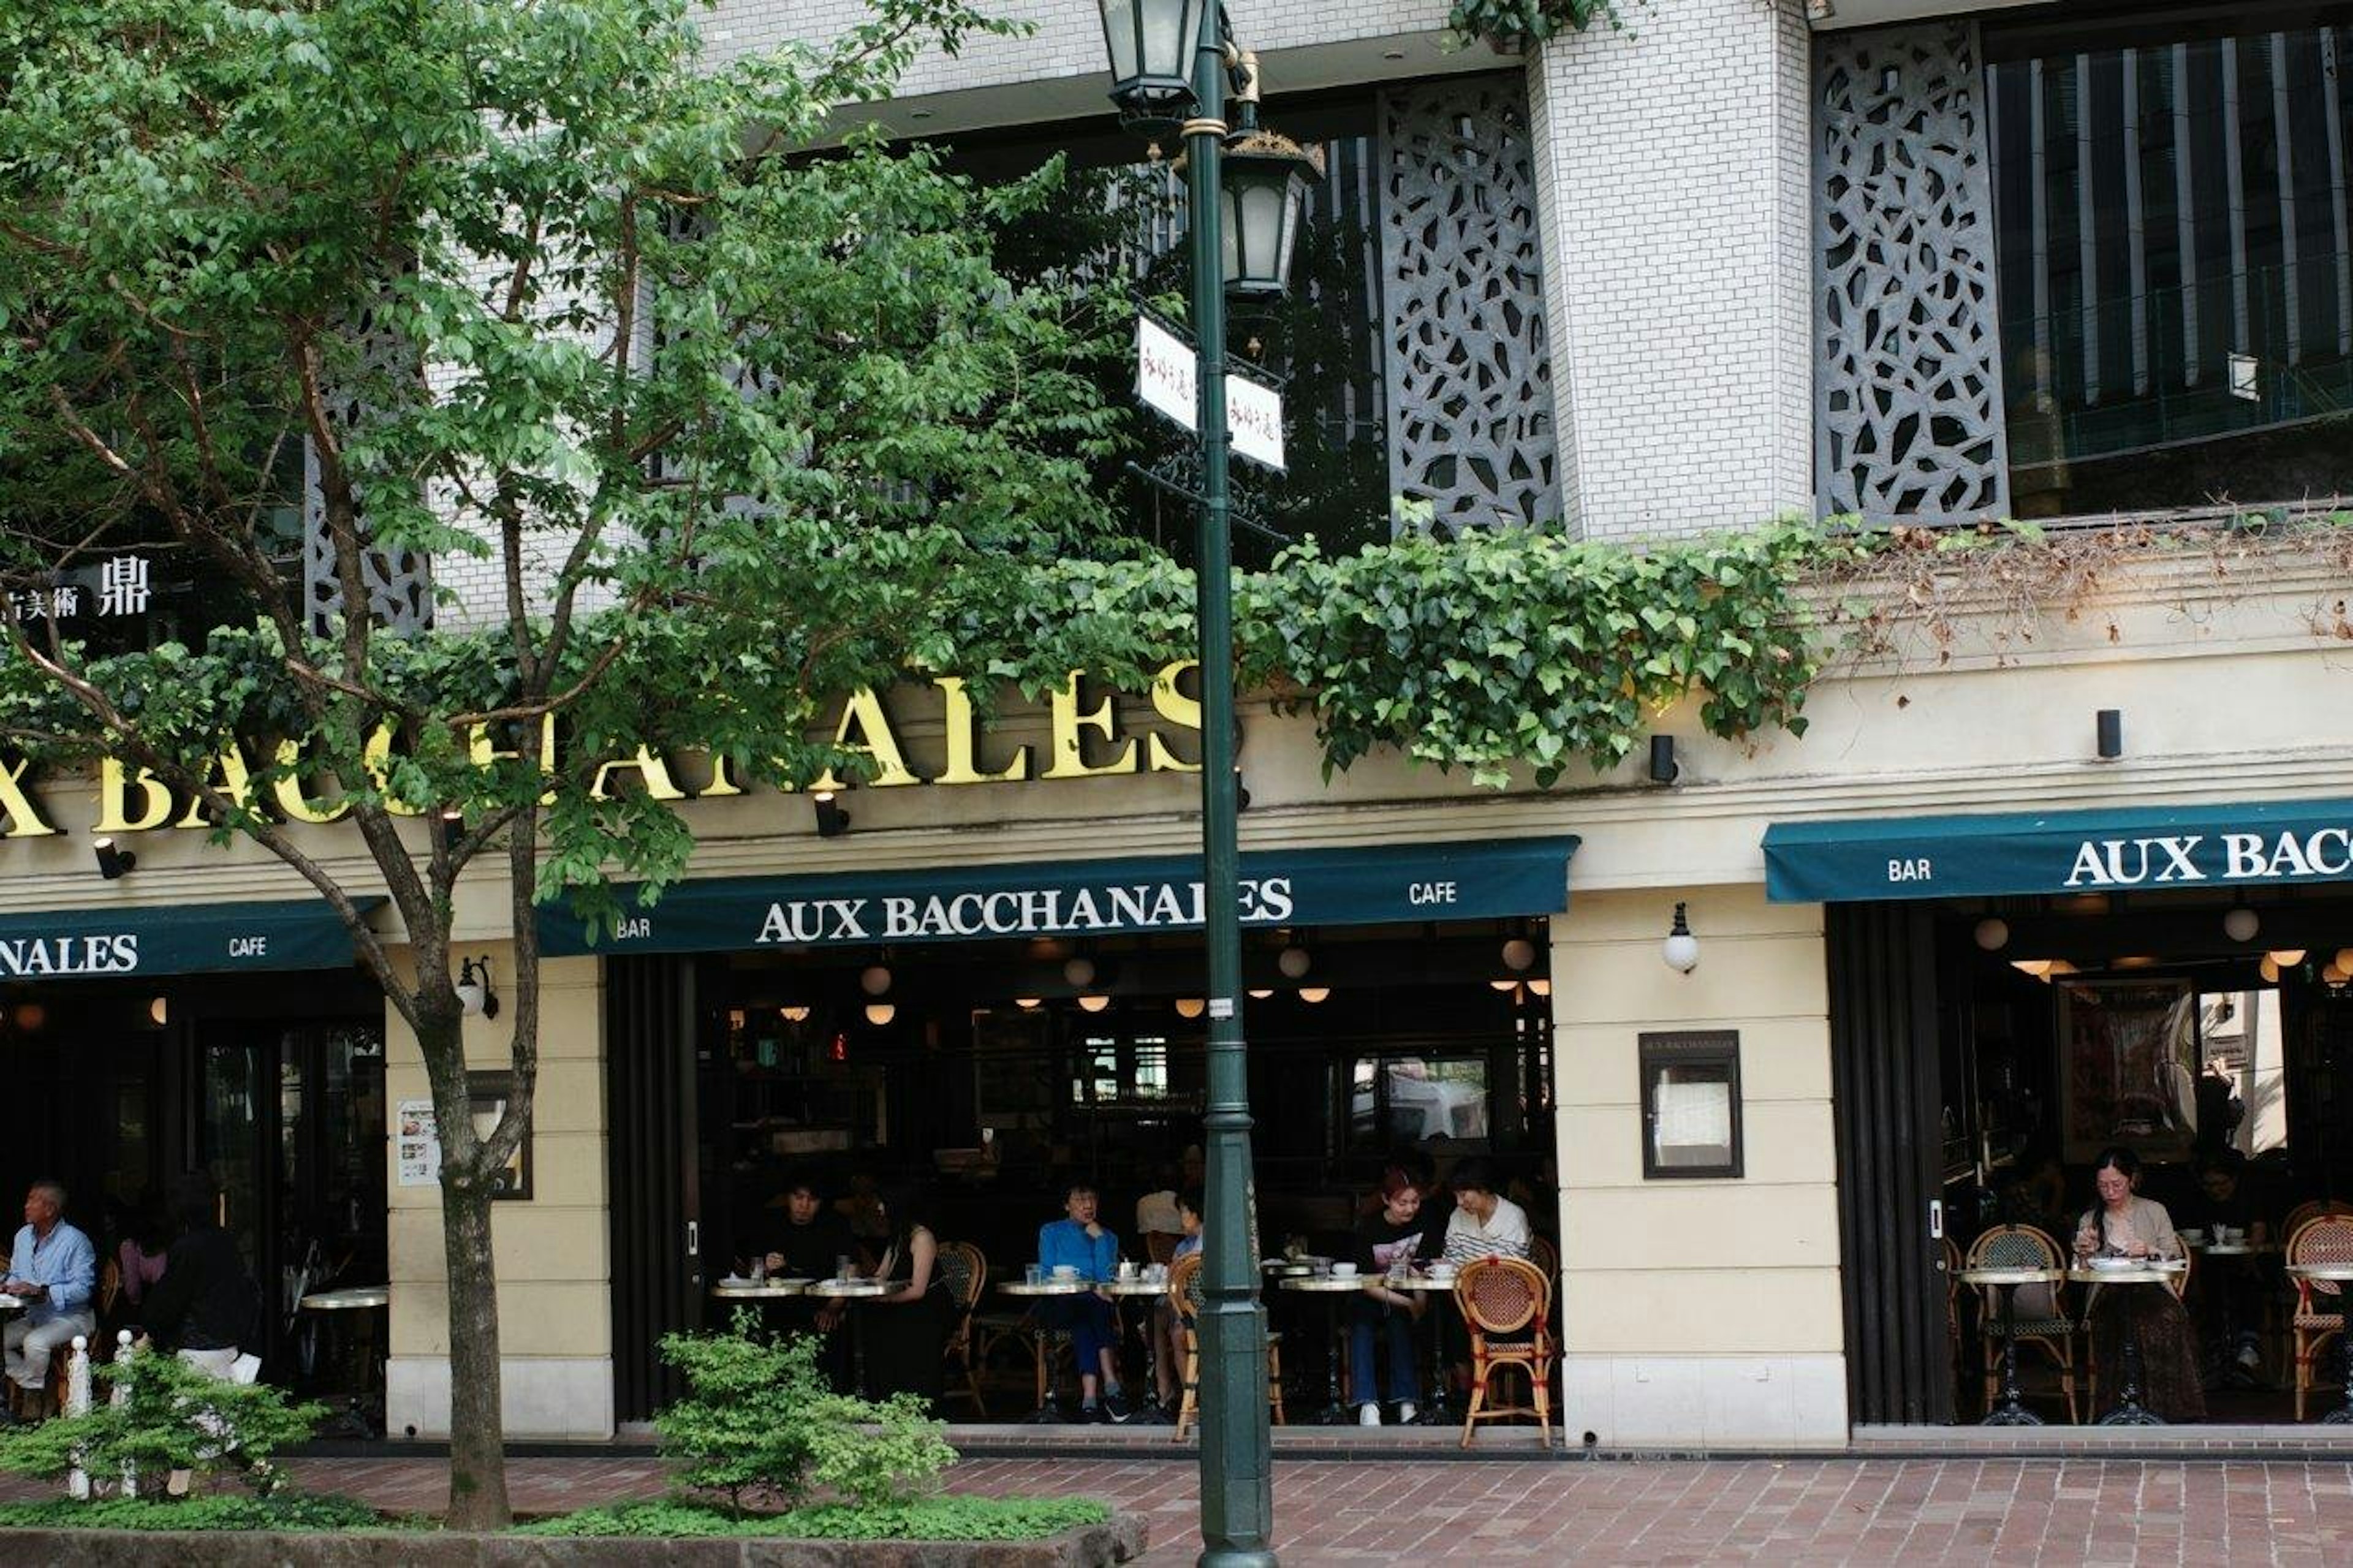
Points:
[[1406, 1412], [2250, 1357], [1368, 1415]]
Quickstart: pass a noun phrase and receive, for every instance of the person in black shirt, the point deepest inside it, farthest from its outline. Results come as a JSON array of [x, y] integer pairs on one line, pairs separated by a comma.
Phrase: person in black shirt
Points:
[[810, 1246], [1396, 1233], [2234, 1299], [207, 1306]]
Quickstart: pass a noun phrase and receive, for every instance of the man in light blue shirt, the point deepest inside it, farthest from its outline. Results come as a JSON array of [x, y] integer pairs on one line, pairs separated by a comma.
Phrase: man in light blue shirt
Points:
[[53, 1269]]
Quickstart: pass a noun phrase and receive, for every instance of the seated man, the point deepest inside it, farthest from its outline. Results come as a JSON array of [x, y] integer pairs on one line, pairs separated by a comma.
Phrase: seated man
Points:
[[1078, 1241], [53, 1269], [2233, 1297], [811, 1245]]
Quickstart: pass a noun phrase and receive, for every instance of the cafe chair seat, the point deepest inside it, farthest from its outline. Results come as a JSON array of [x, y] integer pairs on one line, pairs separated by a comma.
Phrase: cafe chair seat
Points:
[[1506, 1304]]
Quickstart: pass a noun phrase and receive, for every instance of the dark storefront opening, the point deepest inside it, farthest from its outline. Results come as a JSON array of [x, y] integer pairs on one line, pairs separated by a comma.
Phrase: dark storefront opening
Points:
[[992, 1073], [276, 1092], [1989, 1051]]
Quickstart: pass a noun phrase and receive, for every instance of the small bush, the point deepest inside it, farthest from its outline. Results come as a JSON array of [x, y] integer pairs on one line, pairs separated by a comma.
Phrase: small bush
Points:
[[759, 1417], [177, 1417], [927, 1519], [282, 1510]]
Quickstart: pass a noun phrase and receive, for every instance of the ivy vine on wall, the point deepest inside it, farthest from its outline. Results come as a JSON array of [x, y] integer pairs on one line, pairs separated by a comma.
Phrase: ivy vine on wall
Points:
[[1511, 25]]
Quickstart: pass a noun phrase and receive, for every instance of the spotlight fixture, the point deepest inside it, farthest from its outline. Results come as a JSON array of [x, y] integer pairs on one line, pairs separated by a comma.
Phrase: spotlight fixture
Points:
[[1664, 768], [475, 994], [1260, 996], [1504, 985], [1540, 986], [2033, 968], [832, 822], [1079, 973], [874, 979], [794, 1012], [1295, 961], [1993, 933], [2287, 957], [880, 1013], [1191, 1006], [159, 1009], [2109, 725], [112, 863], [2269, 970], [1310, 994], [1093, 1001], [1029, 1003], [1519, 954], [2240, 923], [2345, 959], [1681, 950]]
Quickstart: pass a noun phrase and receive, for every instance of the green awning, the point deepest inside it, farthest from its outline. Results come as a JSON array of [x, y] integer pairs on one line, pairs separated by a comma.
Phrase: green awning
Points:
[[2133, 848], [174, 939], [1481, 880]]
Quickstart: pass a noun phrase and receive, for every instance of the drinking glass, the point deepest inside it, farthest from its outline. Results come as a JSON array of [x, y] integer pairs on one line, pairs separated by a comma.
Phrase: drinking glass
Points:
[[1030, 1273]]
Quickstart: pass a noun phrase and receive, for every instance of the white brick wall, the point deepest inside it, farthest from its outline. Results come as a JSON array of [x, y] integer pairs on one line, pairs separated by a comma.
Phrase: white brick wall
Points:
[[1673, 189]]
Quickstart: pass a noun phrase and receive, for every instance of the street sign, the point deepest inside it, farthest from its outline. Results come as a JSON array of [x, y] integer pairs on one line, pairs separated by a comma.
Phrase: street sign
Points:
[[1164, 379]]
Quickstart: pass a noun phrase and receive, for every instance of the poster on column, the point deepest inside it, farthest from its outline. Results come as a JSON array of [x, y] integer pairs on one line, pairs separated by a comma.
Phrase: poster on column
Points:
[[416, 1138], [416, 1145]]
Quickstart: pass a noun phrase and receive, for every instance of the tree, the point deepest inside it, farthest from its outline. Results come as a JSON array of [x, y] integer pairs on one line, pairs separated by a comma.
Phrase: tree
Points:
[[702, 411]]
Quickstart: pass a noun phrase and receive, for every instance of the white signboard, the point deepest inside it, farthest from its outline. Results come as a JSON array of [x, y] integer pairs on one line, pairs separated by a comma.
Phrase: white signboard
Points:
[[416, 1145], [2243, 385], [1165, 380]]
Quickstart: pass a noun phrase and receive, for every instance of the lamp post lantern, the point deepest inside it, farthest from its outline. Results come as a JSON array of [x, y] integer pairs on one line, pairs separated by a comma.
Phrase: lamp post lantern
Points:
[[1244, 238]]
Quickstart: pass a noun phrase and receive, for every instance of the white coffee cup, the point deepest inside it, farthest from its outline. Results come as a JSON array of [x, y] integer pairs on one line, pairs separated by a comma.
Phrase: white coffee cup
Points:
[[1066, 1271], [1343, 1271]]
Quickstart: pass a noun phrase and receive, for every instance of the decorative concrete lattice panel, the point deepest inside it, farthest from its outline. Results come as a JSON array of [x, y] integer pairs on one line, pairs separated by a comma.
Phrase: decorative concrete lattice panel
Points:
[[1469, 381], [1909, 409], [400, 582]]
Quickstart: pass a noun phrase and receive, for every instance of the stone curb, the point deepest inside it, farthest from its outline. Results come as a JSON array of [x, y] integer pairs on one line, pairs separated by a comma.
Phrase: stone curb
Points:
[[1119, 1538]]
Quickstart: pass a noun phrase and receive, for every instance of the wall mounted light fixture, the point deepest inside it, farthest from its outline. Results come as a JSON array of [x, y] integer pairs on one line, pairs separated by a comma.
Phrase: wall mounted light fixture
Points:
[[1664, 767], [1681, 950], [112, 863], [2109, 727], [475, 994], [832, 822]]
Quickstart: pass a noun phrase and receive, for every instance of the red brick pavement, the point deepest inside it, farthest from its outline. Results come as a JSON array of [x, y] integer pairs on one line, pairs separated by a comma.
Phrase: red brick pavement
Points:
[[1869, 1513]]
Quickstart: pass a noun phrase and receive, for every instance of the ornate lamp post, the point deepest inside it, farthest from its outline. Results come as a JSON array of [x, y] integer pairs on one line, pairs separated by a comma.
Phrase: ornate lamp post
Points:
[[1173, 66]]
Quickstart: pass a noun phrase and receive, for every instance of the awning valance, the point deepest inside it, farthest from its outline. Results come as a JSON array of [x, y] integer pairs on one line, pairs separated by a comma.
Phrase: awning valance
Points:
[[172, 938], [1478, 880], [2131, 848]]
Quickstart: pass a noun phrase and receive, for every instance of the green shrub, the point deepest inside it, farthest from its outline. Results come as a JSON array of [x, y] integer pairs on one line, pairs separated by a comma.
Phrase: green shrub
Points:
[[281, 1510], [759, 1417], [926, 1519], [175, 1418]]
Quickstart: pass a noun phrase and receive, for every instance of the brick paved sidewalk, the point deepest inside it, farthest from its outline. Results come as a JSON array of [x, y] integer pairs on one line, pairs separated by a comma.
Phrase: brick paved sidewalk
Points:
[[1869, 1513]]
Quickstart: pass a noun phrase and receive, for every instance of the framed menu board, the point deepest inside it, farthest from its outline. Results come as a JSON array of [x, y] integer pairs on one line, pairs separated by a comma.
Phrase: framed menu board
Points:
[[2129, 1066]]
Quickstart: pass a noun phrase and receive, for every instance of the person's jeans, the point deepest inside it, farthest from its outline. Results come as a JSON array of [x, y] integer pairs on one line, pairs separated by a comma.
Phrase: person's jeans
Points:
[[1369, 1320], [29, 1344], [1090, 1323]]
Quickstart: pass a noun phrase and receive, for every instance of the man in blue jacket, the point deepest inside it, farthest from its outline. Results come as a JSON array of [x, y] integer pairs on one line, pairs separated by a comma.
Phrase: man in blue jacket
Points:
[[1078, 1241], [53, 1269]]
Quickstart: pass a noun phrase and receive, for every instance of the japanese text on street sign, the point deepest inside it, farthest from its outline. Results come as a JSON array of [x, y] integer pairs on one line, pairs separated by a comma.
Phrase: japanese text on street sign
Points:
[[1165, 380], [123, 590]]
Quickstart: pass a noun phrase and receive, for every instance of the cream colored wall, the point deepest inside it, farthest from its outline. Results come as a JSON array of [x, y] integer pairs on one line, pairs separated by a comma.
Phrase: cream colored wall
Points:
[[1698, 1309], [554, 1264]]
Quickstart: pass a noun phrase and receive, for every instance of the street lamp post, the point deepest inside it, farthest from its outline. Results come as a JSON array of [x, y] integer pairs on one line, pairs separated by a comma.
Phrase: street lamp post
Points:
[[1158, 88]]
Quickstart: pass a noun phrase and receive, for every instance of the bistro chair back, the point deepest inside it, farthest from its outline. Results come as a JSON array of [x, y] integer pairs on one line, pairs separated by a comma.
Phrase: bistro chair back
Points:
[[2043, 1322], [2306, 1213], [2319, 1304], [1544, 1256], [966, 1269], [1506, 1304], [1185, 1299]]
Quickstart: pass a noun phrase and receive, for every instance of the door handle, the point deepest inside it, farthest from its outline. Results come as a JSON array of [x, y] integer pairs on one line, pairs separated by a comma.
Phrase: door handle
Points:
[[694, 1240], [1936, 1223]]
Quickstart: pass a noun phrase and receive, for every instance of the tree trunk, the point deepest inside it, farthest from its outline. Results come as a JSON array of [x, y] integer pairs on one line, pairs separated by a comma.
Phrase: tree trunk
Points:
[[478, 1465]]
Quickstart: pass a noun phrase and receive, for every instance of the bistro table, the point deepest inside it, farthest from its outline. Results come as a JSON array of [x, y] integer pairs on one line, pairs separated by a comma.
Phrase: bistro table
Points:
[[851, 1290], [1049, 1407], [2335, 1274], [740, 1290], [366, 1299], [2013, 1410], [1338, 1287], [2129, 1411], [1120, 1291], [2224, 1254], [1440, 1287]]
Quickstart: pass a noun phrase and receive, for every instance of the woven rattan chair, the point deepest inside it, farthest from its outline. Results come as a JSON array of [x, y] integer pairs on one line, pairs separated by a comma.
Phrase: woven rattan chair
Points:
[[1185, 1296], [966, 1269], [2306, 1213], [2327, 1238], [1506, 1304], [2024, 1247]]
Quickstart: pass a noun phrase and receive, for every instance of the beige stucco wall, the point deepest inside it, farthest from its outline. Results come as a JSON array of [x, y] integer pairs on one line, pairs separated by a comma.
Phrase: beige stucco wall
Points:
[[553, 1253]]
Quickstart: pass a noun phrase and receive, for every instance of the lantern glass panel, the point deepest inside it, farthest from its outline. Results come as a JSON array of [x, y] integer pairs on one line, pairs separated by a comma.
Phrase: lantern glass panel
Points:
[[1118, 39], [1263, 206], [1170, 28]]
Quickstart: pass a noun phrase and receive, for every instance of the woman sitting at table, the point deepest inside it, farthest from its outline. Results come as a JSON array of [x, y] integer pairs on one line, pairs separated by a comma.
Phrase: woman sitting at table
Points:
[[1393, 1235], [1080, 1242], [2125, 1225], [907, 1329]]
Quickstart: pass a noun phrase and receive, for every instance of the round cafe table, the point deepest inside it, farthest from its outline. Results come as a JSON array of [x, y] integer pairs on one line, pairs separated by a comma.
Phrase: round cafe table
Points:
[[1441, 1289], [851, 1290], [1121, 1291], [1050, 1408], [734, 1290], [1337, 1289], [2129, 1411], [2011, 1410], [355, 1420], [2335, 1274]]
